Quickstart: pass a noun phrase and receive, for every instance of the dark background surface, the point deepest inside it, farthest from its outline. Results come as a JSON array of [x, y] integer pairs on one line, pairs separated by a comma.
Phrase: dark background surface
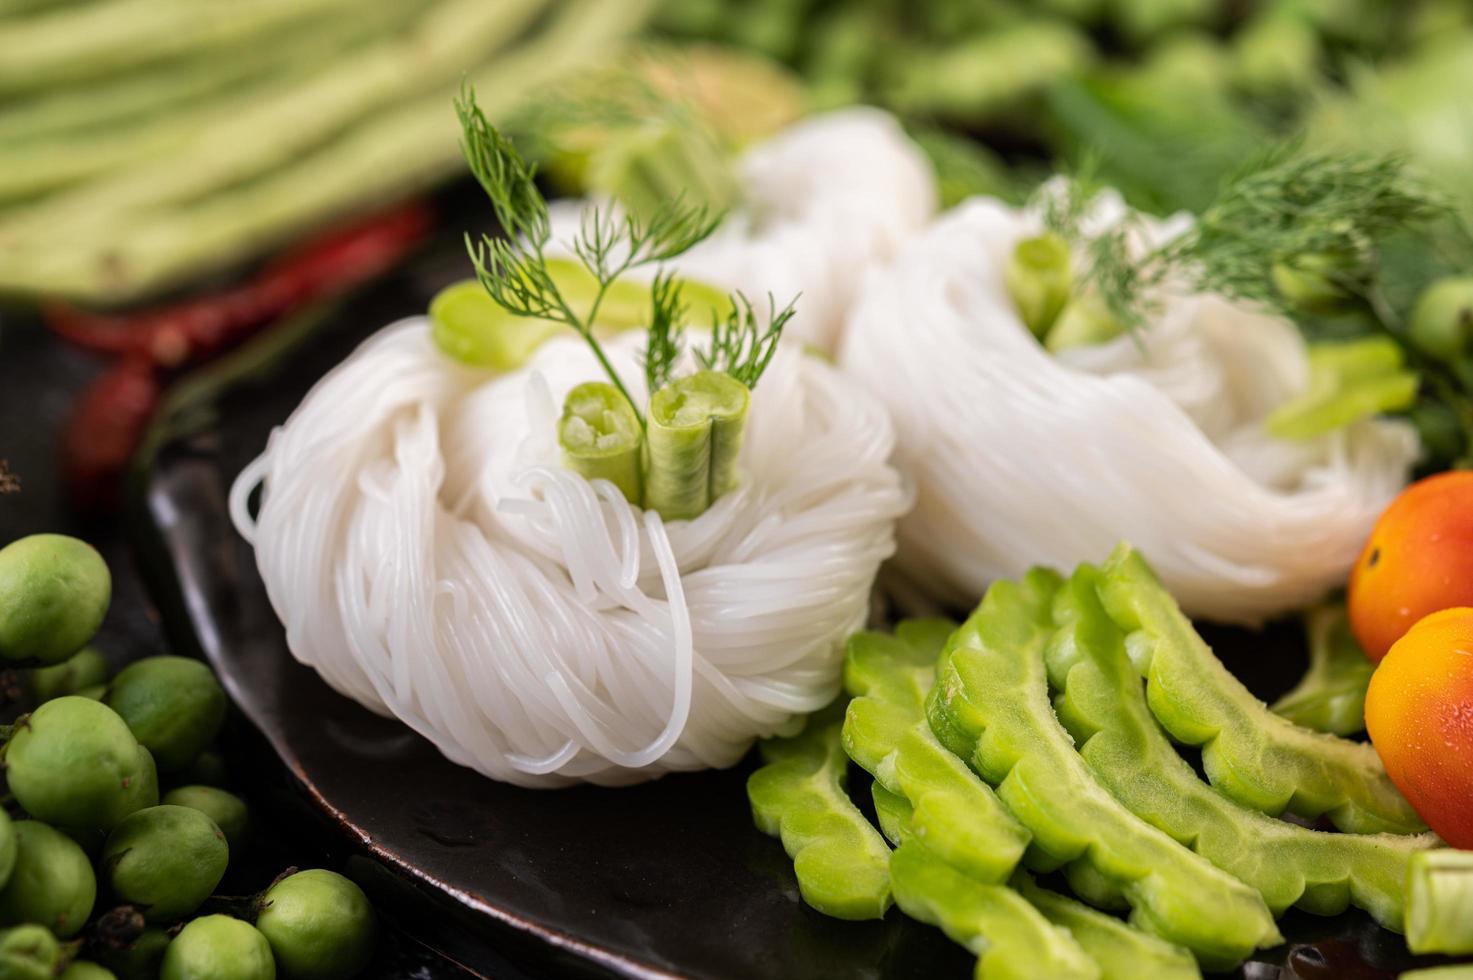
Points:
[[662, 880]]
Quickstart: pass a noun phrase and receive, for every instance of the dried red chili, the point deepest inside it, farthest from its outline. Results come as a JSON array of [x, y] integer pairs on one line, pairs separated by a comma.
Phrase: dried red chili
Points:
[[111, 416]]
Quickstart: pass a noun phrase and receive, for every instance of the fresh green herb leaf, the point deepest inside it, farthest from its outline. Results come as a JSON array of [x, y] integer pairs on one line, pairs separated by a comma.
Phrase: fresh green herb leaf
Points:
[[667, 326], [741, 346], [514, 269]]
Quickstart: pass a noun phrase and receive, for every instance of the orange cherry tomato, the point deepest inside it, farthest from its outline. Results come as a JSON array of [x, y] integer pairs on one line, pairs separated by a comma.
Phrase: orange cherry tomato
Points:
[[1419, 559], [1419, 713]]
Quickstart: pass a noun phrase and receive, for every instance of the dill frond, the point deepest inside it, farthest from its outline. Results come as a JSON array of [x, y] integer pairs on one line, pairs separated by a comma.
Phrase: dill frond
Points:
[[740, 346], [666, 332]]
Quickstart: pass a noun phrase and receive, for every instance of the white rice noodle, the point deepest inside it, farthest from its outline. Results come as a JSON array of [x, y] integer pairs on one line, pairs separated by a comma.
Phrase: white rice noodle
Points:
[[1023, 458], [430, 559], [822, 200]]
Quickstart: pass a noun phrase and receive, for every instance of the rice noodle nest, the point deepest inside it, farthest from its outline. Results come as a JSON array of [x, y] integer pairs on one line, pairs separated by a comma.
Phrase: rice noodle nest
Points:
[[431, 559], [1022, 457]]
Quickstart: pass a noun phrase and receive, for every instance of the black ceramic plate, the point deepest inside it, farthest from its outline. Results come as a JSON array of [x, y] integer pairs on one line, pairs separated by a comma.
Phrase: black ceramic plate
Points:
[[667, 879]]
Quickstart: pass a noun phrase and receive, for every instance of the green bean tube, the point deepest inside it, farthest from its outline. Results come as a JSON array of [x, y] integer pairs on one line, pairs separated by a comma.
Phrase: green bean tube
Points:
[[1250, 754], [1101, 702], [841, 862], [1331, 696], [991, 705], [1039, 279], [694, 439], [600, 437], [1439, 915], [886, 732]]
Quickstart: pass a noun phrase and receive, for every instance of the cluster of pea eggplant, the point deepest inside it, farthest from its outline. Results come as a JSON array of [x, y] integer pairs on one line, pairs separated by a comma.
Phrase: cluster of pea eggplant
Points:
[[84, 767]]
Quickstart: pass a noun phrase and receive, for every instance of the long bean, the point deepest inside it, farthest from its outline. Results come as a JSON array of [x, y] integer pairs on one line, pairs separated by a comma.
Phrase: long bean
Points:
[[91, 40], [391, 154], [76, 112], [251, 141], [30, 169]]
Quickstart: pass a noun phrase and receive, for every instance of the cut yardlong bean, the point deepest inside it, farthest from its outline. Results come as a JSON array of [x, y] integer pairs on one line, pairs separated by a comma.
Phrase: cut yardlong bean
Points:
[[991, 705], [886, 732], [1102, 703], [1249, 753], [842, 862], [389, 156]]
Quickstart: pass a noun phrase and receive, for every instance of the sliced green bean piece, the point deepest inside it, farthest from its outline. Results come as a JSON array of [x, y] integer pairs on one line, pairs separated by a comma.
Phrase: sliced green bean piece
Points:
[[695, 439], [1331, 697], [992, 699], [1102, 703], [1439, 916], [1249, 753], [886, 732], [842, 862], [600, 437]]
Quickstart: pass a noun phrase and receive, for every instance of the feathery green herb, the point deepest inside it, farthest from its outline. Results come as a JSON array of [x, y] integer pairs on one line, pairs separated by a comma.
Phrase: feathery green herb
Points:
[[1281, 211], [514, 268], [741, 347], [681, 453]]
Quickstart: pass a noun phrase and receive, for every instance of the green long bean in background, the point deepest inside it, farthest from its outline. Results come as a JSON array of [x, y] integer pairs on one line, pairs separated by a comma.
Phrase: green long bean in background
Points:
[[991, 706], [260, 136], [51, 142], [387, 156], [1331, 696], [600, 437], [92, 39], [886, 732], [842, 863], [1249, 754], [1101, 702], [694, 439]]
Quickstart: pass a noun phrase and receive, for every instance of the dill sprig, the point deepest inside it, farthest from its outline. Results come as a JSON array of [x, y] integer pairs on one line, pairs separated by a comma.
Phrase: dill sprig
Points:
[[1280, 212], [741, 346], [666, 334], [513, 269]]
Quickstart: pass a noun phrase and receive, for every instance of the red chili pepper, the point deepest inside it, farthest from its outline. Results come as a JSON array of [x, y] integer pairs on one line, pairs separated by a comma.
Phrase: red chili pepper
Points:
[[112, 415], [107, 423], [193, 329]]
